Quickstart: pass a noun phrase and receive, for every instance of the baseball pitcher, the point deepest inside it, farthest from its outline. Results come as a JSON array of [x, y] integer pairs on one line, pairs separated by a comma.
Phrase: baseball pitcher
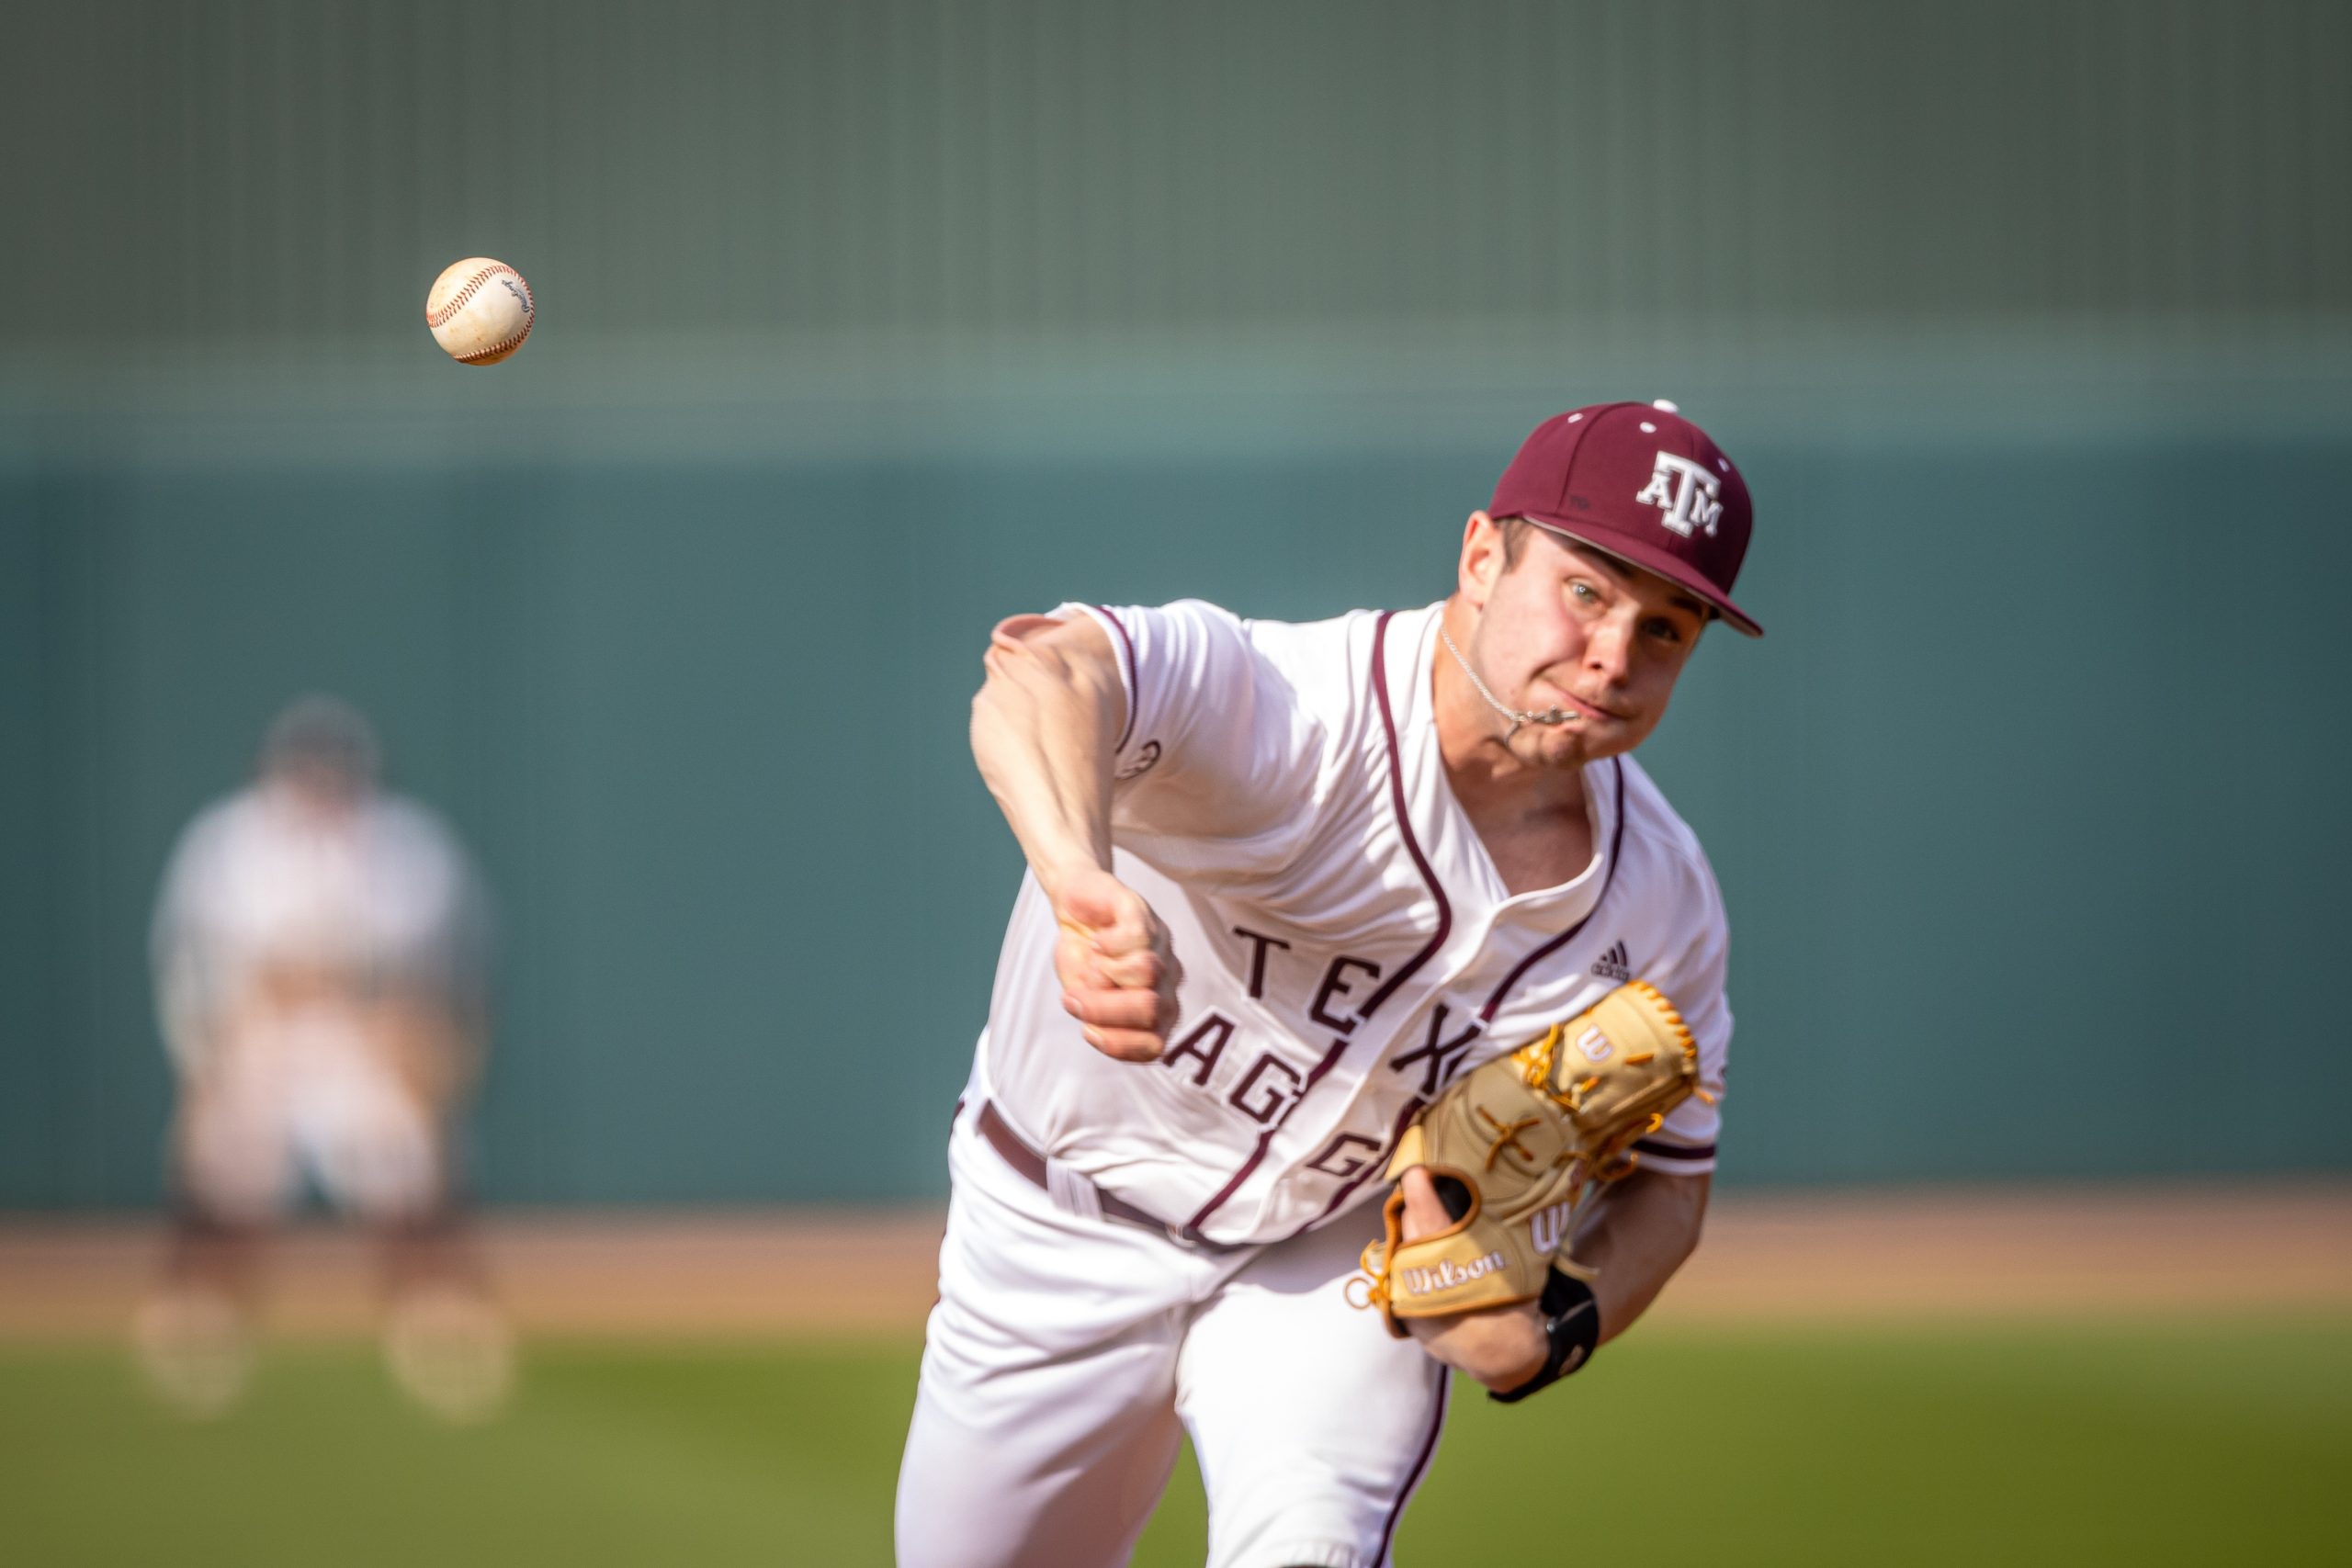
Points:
[[1361, 1018]]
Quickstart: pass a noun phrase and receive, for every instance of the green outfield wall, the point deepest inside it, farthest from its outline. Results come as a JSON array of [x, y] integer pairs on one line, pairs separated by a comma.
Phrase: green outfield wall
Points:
[[864, 325], [2028, 809]]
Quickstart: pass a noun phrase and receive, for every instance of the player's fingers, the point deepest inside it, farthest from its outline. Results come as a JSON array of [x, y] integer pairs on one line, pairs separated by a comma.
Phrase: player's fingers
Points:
[[1126, 935], [1114, 1010], [1166, 1008], [1171, 975], [1078, 965], [1095, 905], [1425, 1212], [1145, 971], [1122, 922], [1127, 1045]]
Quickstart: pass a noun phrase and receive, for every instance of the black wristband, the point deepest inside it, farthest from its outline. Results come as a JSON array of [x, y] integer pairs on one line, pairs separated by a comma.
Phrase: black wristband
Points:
[[1571, 1324]]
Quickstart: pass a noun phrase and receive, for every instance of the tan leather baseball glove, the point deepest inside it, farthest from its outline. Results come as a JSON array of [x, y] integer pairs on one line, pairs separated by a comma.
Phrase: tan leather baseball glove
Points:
[[1513, 1146]]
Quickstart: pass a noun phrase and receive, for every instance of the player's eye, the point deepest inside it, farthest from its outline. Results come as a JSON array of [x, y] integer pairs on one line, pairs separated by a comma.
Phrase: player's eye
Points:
[[1583, 591], [1664, 630]]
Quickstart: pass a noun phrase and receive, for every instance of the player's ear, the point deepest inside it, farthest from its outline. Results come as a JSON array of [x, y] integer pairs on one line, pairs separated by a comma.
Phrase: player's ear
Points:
[[1485, 558]]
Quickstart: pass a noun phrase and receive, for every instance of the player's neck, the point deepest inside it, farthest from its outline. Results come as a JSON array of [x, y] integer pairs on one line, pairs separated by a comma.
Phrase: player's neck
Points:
[[1489, 776], [1531, 816]]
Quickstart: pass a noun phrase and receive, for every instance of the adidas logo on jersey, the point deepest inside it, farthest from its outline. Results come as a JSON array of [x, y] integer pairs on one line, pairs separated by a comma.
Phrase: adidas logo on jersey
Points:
[[1614, 964]]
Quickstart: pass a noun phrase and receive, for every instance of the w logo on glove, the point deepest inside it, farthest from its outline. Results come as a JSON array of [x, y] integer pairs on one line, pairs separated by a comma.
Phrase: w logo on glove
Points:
[[1548, 1227]]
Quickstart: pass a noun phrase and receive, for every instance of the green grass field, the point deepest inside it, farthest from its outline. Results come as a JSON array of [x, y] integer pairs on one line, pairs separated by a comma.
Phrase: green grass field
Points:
[[2139, 1445]]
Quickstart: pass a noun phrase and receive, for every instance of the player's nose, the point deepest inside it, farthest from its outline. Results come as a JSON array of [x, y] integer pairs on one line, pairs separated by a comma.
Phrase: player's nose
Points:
[[1607, 652]]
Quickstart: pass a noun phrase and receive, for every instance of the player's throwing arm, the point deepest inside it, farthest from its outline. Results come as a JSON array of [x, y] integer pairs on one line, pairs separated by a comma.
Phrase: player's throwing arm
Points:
[[1043, 731]]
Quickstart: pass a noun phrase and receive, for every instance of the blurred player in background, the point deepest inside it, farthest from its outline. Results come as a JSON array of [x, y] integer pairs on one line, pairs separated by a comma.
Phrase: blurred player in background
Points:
[[319, 950]]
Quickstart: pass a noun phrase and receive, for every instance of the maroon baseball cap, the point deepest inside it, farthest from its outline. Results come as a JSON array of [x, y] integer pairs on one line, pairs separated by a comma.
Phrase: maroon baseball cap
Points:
[[1643, 484]]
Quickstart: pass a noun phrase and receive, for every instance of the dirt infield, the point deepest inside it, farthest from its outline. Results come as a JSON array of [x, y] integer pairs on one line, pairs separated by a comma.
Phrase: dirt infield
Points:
[[1826, 1256]]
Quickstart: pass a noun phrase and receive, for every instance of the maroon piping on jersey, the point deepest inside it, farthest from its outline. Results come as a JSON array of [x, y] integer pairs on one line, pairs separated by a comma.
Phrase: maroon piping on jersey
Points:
[[1608, 876], [1372, 1002], [1134, 692], [1404, 826], [1421, 1463]]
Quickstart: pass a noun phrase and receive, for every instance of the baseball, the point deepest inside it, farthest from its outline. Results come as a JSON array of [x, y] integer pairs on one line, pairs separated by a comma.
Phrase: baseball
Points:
[[479, 310]]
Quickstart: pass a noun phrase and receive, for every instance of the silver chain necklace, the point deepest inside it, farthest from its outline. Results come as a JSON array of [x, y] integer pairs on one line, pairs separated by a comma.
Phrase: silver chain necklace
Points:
[[1549, 715]]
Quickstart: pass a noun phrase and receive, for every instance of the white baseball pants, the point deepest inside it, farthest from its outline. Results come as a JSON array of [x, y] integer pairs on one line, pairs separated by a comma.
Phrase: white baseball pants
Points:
[[1067, 1352], [306, 1091]]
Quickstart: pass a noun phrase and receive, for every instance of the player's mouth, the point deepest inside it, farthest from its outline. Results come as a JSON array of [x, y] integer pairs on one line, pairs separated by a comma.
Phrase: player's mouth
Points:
[[1588, 710]]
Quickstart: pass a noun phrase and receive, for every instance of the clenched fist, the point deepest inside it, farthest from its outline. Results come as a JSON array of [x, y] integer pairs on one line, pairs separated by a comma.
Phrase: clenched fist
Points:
[[1117, 968]]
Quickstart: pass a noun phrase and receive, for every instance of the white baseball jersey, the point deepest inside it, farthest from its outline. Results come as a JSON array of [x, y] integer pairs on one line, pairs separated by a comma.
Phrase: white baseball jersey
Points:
[[260, 888], [257, 883], [1348, 947]]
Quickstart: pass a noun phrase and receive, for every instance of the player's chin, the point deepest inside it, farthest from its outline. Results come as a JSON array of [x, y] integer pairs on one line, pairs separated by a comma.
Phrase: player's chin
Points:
[[1578, 742], [1590, 738]]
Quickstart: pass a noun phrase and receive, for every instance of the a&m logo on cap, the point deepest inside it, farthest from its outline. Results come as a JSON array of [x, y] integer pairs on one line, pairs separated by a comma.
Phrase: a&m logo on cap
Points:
[[1685, 492]]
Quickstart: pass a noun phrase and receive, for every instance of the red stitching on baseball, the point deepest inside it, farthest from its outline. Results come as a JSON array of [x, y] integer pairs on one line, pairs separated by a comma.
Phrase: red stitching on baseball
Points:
[[457, 302], [499, 350]]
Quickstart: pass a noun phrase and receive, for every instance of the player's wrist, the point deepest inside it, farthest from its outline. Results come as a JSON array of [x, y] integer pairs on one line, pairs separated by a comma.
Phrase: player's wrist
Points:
[[1058, 871], [1499, 1345], [1571, 1330]]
